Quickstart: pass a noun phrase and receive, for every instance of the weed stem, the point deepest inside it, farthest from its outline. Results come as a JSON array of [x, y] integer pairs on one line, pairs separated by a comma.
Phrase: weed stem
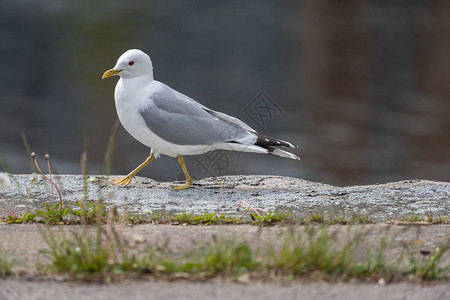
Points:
[[47, 158], [220, 197], [33, 155], [9, 211]]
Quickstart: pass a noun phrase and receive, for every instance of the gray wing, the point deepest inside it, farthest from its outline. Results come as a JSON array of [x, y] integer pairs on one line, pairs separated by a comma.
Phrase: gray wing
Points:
[[180, 120]]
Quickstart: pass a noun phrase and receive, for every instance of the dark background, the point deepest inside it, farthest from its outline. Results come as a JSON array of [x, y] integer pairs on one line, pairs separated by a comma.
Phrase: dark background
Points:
[[361, 86]]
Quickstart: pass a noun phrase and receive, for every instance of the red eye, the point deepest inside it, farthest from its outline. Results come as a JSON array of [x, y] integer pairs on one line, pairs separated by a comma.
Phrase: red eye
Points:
[[131, 63]]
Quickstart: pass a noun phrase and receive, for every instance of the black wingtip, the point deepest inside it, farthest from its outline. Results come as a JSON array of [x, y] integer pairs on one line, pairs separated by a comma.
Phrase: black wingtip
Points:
[[267, 141]]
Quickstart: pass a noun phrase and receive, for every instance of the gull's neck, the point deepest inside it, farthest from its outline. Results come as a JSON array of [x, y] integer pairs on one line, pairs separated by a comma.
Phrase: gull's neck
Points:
[[139, 81], [135, 87]]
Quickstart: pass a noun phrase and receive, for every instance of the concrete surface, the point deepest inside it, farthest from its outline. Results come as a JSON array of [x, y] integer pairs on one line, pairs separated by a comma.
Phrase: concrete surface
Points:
[[19, 289], [25, 243]]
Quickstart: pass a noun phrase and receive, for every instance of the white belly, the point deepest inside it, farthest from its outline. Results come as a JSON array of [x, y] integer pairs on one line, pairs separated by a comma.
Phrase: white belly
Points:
[[133, 122]]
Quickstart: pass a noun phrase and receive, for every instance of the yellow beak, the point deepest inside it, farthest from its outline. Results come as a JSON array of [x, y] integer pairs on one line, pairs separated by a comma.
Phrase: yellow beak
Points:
[[110, 73]]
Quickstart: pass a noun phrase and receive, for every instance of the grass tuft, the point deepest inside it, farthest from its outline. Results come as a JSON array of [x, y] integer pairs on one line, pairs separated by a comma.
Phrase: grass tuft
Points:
[[271, 218], [427, 218], [5, 263], [317, 217], [228, 258], [314, 249], [83, 255], [206, 218], [428, 267]]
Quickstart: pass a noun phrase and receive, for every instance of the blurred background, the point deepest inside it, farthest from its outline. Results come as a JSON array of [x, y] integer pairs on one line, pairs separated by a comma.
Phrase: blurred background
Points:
[[362, 87]]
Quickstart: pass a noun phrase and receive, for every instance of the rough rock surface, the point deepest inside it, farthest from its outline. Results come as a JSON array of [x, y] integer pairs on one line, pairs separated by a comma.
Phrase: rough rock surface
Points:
[[380, 202]]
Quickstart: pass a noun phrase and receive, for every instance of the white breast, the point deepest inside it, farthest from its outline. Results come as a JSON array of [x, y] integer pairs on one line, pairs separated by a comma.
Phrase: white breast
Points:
[[128, 103]]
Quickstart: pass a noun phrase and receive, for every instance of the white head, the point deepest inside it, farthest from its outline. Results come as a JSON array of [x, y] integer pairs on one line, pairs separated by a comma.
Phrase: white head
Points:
[[133, 63]]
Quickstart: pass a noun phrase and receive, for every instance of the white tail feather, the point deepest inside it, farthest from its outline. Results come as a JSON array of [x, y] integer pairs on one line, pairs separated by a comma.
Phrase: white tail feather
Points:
[[283, 153]]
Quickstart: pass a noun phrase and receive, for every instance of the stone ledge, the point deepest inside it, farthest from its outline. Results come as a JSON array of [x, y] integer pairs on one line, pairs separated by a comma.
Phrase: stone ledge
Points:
[[380, 202]]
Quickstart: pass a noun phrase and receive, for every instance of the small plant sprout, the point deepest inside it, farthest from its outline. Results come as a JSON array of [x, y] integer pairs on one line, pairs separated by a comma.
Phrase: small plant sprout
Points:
[[273, 217], [4, 180], [317, 217]]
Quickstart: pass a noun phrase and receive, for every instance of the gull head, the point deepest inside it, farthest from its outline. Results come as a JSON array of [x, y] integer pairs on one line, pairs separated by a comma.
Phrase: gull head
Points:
[[133, 63]]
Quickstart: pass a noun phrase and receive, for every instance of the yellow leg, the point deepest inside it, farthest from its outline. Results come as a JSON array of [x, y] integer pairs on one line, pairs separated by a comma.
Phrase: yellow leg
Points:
[[186, 174], [127, 179]]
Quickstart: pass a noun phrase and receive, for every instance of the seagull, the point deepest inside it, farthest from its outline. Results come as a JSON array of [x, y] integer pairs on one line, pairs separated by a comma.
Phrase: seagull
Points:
[[173, 124]]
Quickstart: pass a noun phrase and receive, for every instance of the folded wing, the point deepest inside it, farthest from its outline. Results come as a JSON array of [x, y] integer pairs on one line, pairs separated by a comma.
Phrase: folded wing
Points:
[[181, 120]]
